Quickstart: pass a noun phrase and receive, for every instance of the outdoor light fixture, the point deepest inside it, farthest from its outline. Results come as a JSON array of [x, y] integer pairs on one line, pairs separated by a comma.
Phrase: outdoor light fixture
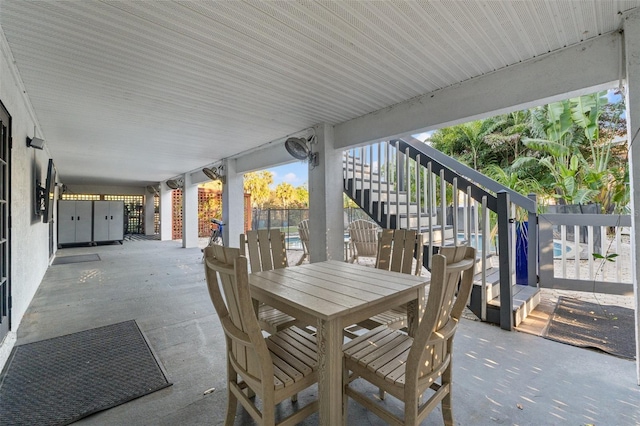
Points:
[[153, 189], [36, 143], [175, 183], [63, 187], [300, 148], [215, 173]]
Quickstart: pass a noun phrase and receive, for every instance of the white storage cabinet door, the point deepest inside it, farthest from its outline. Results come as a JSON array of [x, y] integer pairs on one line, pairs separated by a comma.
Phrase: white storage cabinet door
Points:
[[116, 220], [74, 222], [108, 221]]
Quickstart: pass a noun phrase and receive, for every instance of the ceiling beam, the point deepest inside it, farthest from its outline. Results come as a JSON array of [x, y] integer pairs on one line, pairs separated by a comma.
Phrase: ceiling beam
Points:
[[271, 155], [587, 67]]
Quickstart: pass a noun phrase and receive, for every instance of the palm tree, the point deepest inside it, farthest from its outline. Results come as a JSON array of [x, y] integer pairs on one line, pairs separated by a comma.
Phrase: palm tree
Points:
[[285, 193], [474, 134], [507, 142]]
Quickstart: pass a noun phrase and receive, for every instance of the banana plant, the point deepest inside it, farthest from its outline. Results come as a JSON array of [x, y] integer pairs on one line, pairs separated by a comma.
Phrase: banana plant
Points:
[[565, 129]]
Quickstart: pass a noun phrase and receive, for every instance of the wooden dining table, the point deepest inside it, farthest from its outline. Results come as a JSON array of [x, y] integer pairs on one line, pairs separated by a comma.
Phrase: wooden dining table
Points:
[[332, 295]]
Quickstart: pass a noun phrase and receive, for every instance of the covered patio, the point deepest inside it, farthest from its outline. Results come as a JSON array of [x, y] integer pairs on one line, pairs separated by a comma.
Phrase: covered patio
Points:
[[499, 377], [126, 97]]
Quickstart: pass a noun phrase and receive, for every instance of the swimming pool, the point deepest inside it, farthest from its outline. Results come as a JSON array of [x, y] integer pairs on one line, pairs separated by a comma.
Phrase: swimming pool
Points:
[[293, 241], [557, 246]]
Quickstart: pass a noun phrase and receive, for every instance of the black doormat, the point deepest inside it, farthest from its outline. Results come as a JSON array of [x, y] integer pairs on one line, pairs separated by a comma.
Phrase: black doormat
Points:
[[142, 237], [608, 328], [63, 260], [60, 380]]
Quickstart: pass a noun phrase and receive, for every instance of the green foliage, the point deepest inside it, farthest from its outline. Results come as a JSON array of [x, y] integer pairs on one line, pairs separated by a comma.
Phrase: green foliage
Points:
[[284, 194], [516, 181], [569, 146], [609, 257], [301, 196], [564, 146], [257, 184], [348, 202]]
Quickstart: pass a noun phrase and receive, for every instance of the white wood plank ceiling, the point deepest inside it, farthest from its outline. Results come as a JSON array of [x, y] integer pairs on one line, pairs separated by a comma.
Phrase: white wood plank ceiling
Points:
[[135, 92]]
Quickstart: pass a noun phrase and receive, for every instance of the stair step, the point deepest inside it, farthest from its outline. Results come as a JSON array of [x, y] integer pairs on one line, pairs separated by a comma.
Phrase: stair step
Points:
[[392, 208], [493, 280], [391, 198], [412, 223], [359, 177], [365, 184], [525, 299]]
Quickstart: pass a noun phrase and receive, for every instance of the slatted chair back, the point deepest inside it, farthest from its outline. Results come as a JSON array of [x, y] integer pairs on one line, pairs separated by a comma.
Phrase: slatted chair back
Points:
[[397, 249], [363, 239], [275, 368], [228, 284], [267, 252], [266, 248], [451, 282], [409, 366], [303, 232]]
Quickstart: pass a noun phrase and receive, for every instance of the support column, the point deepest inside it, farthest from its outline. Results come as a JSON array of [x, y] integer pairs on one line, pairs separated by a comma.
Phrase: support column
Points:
[[533, 247], [189, 213], [504, 250], [233, 204], [632, 57], [166, 213], [149, 214], [326, 212]]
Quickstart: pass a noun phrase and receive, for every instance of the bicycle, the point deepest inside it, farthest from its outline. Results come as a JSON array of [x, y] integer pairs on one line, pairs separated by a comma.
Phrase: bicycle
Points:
[[216, 237], [216, 233]]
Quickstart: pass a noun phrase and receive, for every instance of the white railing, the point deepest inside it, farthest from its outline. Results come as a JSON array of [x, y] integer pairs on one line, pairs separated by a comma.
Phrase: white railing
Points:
[[404, 184], [388, 172], [586, 252]]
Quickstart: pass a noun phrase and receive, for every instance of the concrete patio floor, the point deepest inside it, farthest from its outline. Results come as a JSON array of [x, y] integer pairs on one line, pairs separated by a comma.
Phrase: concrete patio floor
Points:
[[499, 377]]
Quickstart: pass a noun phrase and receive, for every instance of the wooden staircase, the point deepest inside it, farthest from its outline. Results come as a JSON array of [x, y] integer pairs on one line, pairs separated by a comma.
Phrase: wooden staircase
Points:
[[525, 298], [381, 191]]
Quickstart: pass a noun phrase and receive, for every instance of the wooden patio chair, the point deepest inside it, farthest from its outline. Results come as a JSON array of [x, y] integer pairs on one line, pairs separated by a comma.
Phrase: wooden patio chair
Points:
[[397, 249], [363, 239], [303, 232], [275, 368], [409, 366], [267, 251]]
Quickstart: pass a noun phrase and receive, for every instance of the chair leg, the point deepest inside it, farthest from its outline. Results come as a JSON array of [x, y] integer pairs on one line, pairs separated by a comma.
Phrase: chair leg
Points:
[[345, 397], [447, 410], [294, 398], [232, 407], [381, 394], [268, 411]]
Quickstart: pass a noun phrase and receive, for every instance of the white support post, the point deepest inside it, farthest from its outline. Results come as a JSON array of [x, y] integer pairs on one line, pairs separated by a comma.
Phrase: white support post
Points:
[[632, 57], [233, 204], [189, 213], [149, 214], [166, 213], [326, 212]]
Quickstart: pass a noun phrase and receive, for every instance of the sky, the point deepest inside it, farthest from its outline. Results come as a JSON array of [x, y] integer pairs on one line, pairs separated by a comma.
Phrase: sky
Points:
[[296, 174]]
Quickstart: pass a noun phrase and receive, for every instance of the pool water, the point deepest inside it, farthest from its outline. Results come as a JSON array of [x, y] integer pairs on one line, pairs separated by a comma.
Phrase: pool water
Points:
[[293, 241], [472, 242], [557, 245]]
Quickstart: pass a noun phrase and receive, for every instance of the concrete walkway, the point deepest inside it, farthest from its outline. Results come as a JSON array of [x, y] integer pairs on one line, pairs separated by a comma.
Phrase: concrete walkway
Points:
[[499, 377]]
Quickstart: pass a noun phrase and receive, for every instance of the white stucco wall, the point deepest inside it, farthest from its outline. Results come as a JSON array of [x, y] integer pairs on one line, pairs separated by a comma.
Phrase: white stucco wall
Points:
[[29, 245]]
